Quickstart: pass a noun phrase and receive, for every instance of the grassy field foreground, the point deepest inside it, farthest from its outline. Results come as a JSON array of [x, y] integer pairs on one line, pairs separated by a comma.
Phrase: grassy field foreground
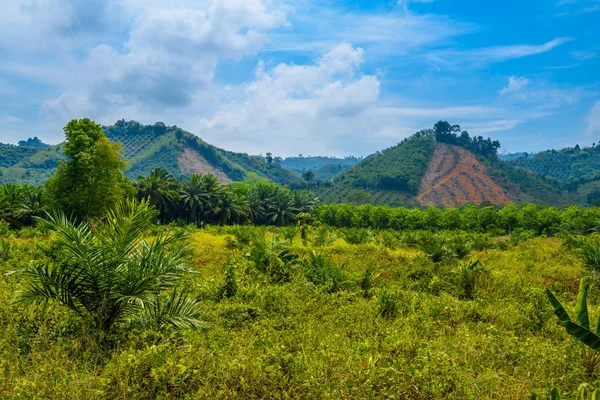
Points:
[[368, 320]]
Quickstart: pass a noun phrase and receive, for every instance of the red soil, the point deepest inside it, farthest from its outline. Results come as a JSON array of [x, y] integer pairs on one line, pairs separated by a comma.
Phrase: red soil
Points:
[[455, 177]]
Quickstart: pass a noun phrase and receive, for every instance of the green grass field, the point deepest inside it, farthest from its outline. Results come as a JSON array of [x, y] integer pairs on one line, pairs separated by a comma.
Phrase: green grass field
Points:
[[411, 330]]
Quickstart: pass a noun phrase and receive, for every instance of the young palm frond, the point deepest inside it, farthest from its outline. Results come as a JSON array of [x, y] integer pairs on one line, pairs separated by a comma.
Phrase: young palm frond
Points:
[[114, 275]]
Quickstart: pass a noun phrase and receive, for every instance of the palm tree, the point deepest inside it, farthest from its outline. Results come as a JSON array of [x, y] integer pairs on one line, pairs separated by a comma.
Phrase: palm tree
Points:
[[304, 201], [113, 275], [232, 208], [280, 210], [32, 205], [160, 188], [195, 197]]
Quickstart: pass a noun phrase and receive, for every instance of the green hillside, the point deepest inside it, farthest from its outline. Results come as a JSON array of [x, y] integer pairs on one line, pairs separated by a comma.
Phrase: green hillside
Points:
[[398, 168], [11, 155], [146, 147]]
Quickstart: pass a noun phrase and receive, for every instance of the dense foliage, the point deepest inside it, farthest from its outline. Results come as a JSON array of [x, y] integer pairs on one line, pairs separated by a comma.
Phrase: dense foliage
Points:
[[452, 134], [295, 299], [487, 219], [568, 164], [201, 199], [12, 155], [91, 181]]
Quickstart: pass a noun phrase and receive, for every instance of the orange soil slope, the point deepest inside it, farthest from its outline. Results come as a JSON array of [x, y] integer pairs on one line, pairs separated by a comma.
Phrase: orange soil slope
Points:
[[190, 162], [455, 177]]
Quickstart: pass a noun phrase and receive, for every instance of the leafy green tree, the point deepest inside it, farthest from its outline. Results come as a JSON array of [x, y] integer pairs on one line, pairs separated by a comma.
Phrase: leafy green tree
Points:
[[308, 176], [113, 275], [91, 181]]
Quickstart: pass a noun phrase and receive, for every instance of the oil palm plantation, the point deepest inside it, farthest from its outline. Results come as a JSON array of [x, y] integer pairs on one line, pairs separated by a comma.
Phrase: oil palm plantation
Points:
[[114, 276]]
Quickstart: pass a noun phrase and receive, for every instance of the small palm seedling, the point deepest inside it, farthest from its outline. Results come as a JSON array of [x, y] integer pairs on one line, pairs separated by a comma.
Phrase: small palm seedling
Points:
[[289, 233], [322, 271], [5, 250], [229, 287], [357, 235], [366, 283], [580, 328], [113, 275], [460, 246], [589, 251], [434, 246], [468, 274], [583, 393]]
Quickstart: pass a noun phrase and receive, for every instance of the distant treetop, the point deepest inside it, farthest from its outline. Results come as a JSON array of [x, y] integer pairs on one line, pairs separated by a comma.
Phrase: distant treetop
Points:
[[33, 142]]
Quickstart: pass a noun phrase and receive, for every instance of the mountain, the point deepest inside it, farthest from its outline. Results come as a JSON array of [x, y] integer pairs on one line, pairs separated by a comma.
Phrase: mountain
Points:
[[444, 167], [146, 147]]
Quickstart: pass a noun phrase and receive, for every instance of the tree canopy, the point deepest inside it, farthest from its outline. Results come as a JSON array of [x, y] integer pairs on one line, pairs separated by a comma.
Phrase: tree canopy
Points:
[[91, 180]]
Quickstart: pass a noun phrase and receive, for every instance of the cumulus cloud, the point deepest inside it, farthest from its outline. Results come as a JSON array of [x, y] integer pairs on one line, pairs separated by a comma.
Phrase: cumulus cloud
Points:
[[302, 106], [328, 107], [50, 25], [171, 54]]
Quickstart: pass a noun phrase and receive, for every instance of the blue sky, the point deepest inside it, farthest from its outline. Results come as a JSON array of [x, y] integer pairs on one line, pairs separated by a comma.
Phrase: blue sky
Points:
[[312, 77]]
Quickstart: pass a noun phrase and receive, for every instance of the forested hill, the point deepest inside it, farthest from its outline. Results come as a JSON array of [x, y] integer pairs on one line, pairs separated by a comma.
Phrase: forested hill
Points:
[[569, 164], [576, 170], [443, 166], [146, 147]]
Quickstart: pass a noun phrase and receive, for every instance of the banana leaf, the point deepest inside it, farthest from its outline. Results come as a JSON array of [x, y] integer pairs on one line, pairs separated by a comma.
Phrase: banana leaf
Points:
[[577, 331]]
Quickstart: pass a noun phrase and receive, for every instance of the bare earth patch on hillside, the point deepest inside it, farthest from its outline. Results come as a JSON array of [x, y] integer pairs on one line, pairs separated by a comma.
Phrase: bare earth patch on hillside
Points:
[[190, 162], [455, 177]]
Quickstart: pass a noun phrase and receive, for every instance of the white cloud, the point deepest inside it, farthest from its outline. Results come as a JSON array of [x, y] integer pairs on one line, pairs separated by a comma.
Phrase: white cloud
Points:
[[328, 107], [484, 56], [405, 3], [299, 107], [577, 7], [584, 55], [593, 121], [384, 34], [515, 85], [51, 25], [171, 54]]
